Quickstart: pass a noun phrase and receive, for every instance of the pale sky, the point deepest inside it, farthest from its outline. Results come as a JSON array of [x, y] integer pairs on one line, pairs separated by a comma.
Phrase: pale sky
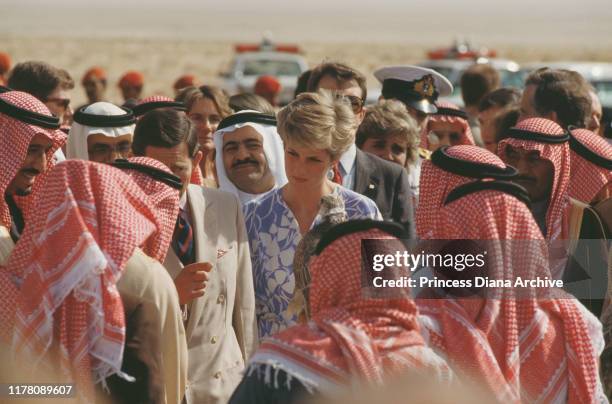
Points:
[[512, 21]]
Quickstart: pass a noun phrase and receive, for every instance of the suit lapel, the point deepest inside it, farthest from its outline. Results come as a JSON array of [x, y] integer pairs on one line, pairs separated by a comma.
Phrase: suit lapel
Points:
[[204, 224], [366, 182], [361, 172]]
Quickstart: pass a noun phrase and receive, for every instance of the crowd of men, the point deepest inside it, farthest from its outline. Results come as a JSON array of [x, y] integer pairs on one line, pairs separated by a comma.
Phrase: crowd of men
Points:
[[208, 248]]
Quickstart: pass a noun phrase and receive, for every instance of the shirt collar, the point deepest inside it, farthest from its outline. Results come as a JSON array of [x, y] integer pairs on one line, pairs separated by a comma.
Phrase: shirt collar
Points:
[[347, 160], [183, 201]]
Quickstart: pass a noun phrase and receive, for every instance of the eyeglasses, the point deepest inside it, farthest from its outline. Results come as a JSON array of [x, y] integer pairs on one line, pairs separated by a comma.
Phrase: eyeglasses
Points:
[[105, 151], [62, 102], [356, 102]]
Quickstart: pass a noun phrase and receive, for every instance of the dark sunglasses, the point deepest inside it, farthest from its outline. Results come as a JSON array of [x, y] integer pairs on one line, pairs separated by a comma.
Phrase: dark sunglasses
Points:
[[62, 102]]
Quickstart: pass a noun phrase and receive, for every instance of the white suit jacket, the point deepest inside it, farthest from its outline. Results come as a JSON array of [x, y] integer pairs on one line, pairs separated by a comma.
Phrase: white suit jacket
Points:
[[221, 329]]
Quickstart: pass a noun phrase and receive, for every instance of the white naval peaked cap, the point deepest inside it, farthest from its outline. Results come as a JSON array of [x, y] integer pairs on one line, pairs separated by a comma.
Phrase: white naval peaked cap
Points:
[[411, 73]]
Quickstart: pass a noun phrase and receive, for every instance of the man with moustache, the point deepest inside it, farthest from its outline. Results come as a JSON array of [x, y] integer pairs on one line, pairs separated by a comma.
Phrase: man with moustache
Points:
[[386, 183], [539, 149], [250, 158], [29, 135]]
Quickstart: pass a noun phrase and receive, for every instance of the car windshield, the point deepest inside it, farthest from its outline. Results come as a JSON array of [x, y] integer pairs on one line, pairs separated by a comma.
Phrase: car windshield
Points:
[[271, 67]]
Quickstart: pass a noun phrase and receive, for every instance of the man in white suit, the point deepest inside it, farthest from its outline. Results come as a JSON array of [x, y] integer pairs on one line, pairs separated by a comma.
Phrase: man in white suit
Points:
[[209, 260]]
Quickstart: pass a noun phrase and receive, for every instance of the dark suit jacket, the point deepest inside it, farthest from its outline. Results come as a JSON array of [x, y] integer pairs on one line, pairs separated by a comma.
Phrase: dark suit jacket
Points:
[[386, 184]]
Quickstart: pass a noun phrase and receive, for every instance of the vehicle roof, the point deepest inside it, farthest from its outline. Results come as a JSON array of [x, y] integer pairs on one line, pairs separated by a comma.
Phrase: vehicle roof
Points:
[[464, 63], [270, 56]]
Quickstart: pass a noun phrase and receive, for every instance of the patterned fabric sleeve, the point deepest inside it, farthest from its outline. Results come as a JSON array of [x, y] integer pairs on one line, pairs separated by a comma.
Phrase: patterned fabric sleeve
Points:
[[359, 207]]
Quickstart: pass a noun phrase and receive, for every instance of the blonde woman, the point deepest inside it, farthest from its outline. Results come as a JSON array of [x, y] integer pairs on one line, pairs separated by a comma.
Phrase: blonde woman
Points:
[[316, 128]]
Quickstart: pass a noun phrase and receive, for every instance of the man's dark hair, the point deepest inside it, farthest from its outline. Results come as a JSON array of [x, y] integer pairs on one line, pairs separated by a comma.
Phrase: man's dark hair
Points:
[[564, 92], [501, 98], [164, 127], [504, 121], [339, 72], [240, 102], [37, 78], [477, 81], [302, 83]]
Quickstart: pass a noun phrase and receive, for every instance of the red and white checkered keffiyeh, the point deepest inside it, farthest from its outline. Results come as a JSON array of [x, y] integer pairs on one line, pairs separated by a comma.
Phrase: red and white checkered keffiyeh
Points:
[[466, 134], [15, 138], [155, 98], [522, 349], [164, 203], [436, 184], [69, 314], [557, 217], [350, 336], [588, 178]]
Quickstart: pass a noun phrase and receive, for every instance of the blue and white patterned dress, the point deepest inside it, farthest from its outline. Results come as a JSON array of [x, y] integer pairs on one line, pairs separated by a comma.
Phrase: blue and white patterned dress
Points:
[[274, 234]]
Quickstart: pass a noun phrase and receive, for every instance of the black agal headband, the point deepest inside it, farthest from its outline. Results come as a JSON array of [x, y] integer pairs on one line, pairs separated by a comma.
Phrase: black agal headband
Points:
[[471, 169], [245, 117], [142, 109], [356, 226], [451, 112], [589, 154], [104, 121], [159, 175], [522, 134], [29, 117], [506, 187]]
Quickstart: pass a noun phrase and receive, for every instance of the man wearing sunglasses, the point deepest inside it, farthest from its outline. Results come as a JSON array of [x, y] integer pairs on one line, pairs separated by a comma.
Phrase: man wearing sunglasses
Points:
[[384, 182], [49, 84]]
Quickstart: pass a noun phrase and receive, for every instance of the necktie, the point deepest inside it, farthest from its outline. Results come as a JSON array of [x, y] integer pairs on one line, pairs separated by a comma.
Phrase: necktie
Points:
[[337, 175], [183, 239]]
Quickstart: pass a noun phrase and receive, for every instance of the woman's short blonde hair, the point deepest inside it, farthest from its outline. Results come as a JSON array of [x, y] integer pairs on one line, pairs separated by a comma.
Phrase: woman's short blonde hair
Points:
[[319, 121]]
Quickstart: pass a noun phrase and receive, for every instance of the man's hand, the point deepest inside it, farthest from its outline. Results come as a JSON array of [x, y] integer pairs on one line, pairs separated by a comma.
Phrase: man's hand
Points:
[[191, 282]]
